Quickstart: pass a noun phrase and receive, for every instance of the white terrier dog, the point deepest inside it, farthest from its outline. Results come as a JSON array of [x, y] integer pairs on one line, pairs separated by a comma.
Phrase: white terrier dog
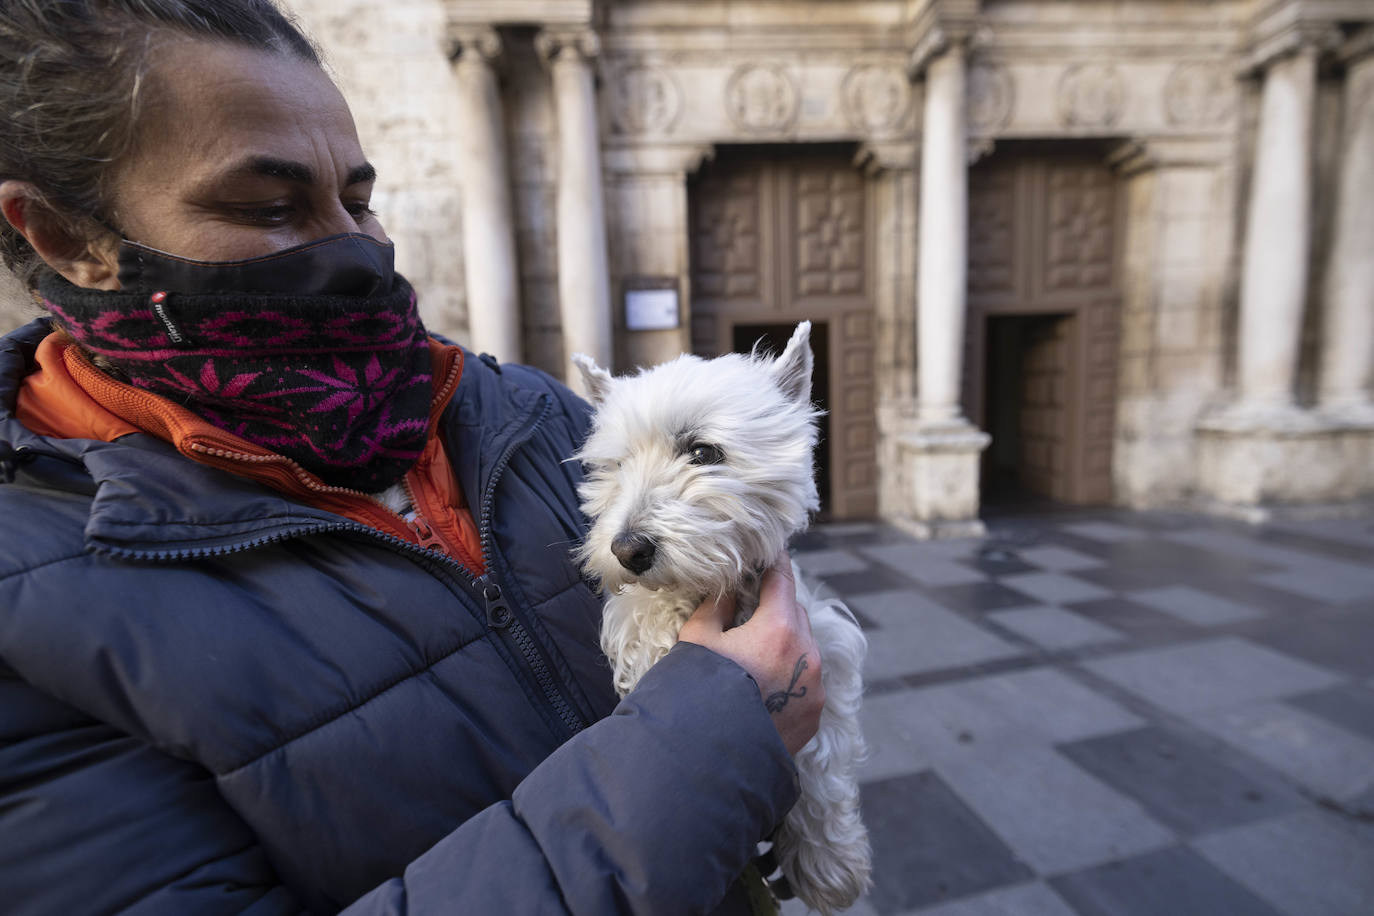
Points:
[[697, 472]]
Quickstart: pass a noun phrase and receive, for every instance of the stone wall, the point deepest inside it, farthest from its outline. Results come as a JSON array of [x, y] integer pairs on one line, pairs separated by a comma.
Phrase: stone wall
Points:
[[389, 62]]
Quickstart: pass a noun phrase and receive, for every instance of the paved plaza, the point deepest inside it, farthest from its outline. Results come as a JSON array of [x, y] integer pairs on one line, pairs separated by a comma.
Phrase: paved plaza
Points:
[[1104, 712]]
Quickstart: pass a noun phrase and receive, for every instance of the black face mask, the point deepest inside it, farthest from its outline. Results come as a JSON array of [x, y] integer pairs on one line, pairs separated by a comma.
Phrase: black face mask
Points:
[[350, 264]]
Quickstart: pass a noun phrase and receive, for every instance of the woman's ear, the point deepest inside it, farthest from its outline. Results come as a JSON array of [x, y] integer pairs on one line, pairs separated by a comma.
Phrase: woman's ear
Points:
[[86, 261]]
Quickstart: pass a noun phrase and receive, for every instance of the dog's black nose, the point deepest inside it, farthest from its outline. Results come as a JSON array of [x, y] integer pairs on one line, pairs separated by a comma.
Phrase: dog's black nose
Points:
[[634, 551]]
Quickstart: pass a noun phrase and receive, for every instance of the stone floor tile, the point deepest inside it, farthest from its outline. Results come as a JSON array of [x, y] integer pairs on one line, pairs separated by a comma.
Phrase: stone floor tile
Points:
[[929, 846], [1135, 620], [975, 597], [1055, 628], [1176, 881], [895, 737], [1194, 606], [1327, 759], [1210, 674], [1054, 815], [1058, 559], [916, 635], [1033, 899], [999, 714], [1124, 579], [795, 907], [1332, 584], [876, 578], [1055, 588], [996, 562], [1111, 532], [1338, 640], [1350, 706], [829, 562], [1307, 864], [924, 565], [1187, 783]]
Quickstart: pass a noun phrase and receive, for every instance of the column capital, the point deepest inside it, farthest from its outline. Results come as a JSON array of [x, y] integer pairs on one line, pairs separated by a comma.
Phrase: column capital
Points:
[[1358, 48], [464, 40], [874, 156], [943, 25], [553, 43], [1299, 37]]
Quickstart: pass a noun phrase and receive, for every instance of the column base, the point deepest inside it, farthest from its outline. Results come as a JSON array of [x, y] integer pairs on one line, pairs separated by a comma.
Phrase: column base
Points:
[[1254, 459], [938, 470]]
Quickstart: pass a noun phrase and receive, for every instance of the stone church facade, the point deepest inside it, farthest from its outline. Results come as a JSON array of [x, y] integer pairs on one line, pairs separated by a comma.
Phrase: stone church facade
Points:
[[1101, 252]]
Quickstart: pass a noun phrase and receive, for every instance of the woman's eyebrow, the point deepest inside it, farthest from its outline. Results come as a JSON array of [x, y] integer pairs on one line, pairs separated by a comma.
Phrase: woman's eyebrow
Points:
[[295, 172]]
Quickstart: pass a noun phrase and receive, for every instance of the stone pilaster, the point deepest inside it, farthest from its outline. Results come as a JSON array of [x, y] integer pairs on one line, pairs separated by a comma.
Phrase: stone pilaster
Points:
[[1347, 361], [940, 450], [583, 269], [488, 225]]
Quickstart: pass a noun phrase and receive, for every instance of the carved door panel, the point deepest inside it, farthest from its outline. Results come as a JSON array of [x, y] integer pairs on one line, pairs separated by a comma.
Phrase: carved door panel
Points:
[[1043, 231], [778, 238]]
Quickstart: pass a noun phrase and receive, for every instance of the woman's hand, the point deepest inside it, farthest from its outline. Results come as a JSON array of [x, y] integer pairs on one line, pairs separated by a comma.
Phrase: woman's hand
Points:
[[775, 646]]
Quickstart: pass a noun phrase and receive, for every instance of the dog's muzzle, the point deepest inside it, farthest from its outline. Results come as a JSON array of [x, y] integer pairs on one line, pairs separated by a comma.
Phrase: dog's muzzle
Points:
[[634, 551]]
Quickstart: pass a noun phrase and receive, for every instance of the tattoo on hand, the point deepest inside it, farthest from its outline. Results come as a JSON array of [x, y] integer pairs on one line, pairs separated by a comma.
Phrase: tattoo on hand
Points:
[[775, 702]]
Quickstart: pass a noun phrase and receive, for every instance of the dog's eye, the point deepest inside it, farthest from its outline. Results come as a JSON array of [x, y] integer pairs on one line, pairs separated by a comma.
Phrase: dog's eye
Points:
[[705, 453]]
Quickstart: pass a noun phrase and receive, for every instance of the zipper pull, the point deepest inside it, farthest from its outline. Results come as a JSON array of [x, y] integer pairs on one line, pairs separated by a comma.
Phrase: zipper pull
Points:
[[426, 536], [499, 614]]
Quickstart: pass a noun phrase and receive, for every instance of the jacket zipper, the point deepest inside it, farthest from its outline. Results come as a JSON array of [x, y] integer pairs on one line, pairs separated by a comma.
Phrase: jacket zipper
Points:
[[500, 615]]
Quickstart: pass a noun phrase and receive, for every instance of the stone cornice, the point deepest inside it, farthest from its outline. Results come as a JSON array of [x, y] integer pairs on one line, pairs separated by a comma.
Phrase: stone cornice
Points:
[[519, 12], [939, 25], [467, 41], [656, 159], [1142, 154]]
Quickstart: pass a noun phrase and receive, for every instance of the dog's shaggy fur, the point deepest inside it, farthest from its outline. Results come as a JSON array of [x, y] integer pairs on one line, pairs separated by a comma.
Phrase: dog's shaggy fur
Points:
[[697, 473]]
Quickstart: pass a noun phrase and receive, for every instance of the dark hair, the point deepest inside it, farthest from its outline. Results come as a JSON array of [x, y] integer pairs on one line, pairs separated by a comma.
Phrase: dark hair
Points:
[[72, 73]]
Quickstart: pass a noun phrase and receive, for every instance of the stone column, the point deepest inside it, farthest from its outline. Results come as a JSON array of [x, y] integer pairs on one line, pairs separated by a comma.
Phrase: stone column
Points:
[[1274, 273], [1348, 343], [942, 272], [488, 227], [583, 271], [940, 454]]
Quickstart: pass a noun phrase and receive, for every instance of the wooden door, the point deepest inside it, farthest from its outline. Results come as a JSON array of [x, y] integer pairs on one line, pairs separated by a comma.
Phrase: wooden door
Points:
[[1043, 241], [779, 236]]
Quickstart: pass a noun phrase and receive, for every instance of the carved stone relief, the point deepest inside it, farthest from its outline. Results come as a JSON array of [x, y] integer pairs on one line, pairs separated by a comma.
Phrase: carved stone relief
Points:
[[991, 96], [761, 98], [644, 100], [1199, 94], [876, 97], [1091, 95]]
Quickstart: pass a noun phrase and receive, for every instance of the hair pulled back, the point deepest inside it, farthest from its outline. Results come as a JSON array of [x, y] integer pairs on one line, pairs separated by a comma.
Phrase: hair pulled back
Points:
[[71, 76]]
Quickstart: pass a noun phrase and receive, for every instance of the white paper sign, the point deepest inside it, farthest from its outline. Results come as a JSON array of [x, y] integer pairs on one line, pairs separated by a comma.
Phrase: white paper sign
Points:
[[651, 309]]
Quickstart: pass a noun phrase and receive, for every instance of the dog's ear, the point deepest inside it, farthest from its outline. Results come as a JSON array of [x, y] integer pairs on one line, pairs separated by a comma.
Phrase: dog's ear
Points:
[[792, 370], [596, 381]]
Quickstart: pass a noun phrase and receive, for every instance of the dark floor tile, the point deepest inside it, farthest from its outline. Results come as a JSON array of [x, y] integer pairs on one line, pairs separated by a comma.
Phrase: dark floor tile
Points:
[[1181, 562], [1184, 781], [981, 669], [1261, 597], [977, 597], [1342, 641], [1135, 620], [1351, 706], [999, 561], [1318, 546], [929, 846], [878, 578], [1176, 881], [1126, 579]]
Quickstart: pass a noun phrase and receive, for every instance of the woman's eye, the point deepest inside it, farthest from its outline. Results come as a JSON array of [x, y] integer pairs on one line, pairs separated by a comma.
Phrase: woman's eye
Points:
[[360, 210], [264, 216], [704, 453]]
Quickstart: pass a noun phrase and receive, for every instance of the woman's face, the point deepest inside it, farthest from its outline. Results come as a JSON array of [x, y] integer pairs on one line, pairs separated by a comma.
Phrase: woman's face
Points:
[[241, 153]]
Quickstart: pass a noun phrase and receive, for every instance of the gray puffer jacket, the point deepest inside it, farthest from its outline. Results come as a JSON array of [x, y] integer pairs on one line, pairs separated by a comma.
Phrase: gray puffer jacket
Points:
[[214, 700]]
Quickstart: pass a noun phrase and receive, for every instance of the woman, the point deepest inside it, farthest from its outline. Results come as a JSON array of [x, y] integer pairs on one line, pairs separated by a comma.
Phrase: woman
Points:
[[287, 615]]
